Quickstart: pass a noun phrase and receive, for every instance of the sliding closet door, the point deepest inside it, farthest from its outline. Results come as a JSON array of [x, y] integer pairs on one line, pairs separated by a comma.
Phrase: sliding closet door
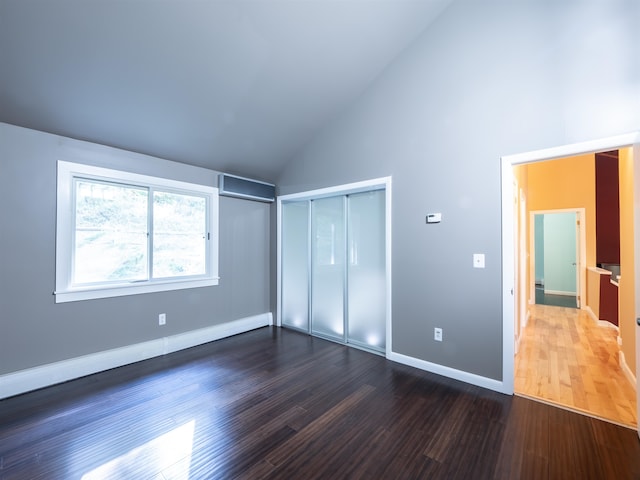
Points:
[[328, 267], [333, 266], [366, 270], [295, 265]]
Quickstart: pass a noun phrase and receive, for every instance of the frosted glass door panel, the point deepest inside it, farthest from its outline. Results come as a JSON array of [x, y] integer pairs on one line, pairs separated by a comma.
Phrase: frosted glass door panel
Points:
[[295, 265], [366, 302], [328, 267]]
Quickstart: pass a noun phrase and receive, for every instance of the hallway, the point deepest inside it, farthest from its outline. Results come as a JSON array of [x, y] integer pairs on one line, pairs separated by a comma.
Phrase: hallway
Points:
[[565, 359]]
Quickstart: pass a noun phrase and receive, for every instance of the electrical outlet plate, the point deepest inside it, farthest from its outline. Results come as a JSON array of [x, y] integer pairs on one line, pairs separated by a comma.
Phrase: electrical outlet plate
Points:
[[162, 319], [437, 334]]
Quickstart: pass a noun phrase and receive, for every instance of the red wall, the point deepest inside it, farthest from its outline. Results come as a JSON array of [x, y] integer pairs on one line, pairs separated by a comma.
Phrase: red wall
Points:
[[607, 208]]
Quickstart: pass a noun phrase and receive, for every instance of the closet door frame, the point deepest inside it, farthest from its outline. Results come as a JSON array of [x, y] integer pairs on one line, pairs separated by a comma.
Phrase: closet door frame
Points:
[[383, 183]]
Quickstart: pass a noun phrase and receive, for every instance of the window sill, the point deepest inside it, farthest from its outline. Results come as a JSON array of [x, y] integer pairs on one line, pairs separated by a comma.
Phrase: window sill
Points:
[[79, 294]]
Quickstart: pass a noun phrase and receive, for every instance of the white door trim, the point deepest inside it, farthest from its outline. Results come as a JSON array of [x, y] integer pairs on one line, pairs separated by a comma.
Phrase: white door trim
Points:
[[508, 238]]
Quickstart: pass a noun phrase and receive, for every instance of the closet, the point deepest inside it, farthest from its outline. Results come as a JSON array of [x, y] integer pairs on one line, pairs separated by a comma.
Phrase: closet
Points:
[[333, 280]]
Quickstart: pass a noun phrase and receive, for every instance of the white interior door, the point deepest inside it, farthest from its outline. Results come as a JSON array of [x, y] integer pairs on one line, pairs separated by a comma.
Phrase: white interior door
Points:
[[636, 214], [516, 258], [520, 259], [577, 263], [523, 259]]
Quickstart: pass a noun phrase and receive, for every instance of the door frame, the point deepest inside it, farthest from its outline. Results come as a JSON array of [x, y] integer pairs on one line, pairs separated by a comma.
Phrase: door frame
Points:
[[581, 252], [521, 265], [383, 183], [508, 237]]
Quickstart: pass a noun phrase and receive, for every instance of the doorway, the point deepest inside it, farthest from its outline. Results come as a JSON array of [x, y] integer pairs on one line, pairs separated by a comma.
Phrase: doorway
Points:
[[511, 251], [556, 261], [558, 360], [333, 263]]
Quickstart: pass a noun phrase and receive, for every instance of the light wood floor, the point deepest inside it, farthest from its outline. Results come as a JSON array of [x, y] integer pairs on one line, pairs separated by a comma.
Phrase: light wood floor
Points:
[[566, 359]]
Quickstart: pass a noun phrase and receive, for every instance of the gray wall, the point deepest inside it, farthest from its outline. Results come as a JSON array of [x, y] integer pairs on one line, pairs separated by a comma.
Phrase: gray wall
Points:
[[34, 330], [487, 79]]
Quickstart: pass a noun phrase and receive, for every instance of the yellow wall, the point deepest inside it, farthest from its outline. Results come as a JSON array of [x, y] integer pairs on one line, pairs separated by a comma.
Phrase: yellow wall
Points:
[[564, 183], [520, 174], [627, 266]]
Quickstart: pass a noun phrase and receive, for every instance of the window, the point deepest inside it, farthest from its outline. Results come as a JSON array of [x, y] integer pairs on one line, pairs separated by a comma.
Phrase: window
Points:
[[121, 233]]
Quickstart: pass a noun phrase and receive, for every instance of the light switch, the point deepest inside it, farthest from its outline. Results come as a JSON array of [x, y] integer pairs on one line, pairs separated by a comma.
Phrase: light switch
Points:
[[478, 260], [434, 218]]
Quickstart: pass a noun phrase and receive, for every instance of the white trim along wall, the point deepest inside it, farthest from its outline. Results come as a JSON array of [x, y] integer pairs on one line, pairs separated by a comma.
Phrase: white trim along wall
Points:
[[46, 375]]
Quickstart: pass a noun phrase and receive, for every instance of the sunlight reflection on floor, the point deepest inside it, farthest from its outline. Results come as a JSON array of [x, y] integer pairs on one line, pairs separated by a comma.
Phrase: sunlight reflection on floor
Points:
[[171, 449]]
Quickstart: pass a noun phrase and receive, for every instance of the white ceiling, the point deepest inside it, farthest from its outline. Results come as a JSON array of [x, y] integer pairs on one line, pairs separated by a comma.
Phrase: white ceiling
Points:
[[238, 86]]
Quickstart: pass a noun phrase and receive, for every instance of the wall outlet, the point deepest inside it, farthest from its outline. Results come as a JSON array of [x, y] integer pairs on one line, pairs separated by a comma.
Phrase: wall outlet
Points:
[[162, 319], [437, 334]]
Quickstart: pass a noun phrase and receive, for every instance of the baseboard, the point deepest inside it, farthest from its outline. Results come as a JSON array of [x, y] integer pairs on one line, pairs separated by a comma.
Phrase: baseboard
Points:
[[523, 325], [46, 375], [560, 292], [591, 313], [526, 321], [600, 323], [466, 377], [626, 370]]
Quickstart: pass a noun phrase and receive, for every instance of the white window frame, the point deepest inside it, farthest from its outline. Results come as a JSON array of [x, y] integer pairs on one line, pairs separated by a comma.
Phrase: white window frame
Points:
[[65, 291]]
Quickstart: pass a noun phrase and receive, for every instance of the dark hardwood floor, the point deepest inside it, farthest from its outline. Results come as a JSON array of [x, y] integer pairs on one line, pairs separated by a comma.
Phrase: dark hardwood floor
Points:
[[274, 403]]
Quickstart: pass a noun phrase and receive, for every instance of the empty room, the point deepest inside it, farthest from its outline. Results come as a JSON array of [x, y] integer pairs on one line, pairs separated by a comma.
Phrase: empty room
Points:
[[289, 239]]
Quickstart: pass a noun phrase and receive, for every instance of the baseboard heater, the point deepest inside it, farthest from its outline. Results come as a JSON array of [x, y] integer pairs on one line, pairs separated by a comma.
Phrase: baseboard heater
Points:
[[240, 187]]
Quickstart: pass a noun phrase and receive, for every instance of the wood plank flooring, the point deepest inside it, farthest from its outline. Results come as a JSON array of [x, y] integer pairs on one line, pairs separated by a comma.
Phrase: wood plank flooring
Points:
[[564, 358], [277, 404]]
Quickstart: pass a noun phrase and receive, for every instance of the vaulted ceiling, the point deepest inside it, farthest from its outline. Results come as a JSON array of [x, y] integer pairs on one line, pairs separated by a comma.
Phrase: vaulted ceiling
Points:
[[238, 86]]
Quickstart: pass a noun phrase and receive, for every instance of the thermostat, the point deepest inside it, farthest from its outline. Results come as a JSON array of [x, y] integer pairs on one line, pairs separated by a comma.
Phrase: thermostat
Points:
[[434, 217]]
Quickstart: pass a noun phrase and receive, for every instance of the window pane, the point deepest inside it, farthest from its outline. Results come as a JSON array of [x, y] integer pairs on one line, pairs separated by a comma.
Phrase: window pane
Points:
[[110, 233], [179, 230]]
